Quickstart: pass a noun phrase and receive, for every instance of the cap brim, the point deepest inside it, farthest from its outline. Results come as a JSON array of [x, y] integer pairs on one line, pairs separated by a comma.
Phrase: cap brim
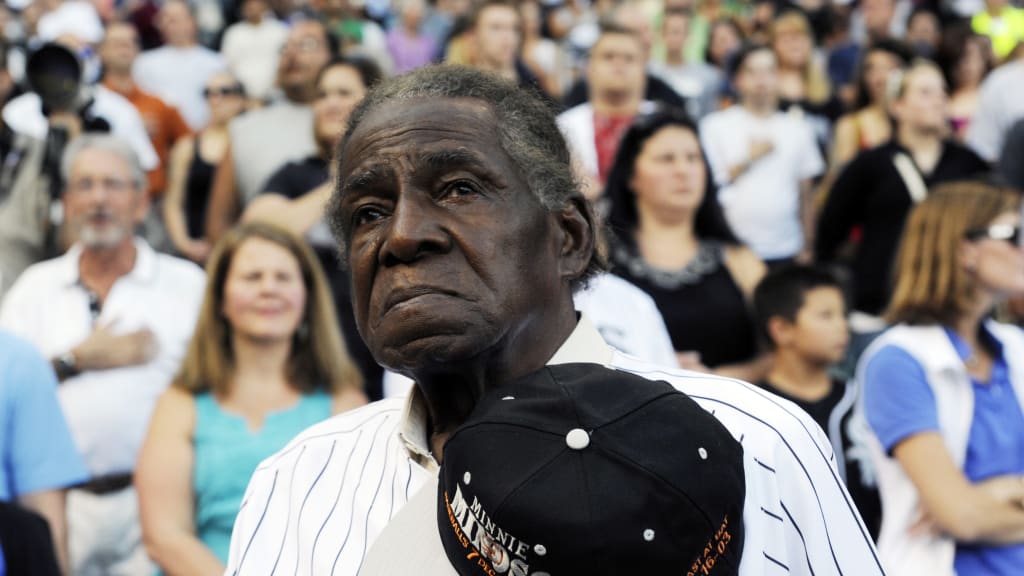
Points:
[[410, 543]]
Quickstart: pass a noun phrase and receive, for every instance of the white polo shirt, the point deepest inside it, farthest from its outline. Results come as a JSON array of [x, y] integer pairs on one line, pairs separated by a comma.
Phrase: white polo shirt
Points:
[[317, 506], [108, 410]]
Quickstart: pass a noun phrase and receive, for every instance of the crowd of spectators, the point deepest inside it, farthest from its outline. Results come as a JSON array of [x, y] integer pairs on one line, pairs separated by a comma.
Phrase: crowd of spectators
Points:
[[782, 181]]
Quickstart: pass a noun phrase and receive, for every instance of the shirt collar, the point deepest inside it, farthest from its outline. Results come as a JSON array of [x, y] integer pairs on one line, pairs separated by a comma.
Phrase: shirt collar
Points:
[[144, 270], [583, 345], [127, 94], [985, 333]]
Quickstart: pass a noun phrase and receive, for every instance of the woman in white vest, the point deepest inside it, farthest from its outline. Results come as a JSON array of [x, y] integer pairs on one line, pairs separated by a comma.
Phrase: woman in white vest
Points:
[[942, 391]]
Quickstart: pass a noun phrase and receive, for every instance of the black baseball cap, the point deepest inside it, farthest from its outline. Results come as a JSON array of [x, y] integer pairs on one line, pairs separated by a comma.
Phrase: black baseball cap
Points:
[[577, 469]]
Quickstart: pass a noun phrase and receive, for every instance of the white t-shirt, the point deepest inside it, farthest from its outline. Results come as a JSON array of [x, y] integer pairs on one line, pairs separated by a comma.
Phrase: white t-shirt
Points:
[[24, 115], [178, 76], [763, 204], [1000, 104], [252, 52], [108, 410]]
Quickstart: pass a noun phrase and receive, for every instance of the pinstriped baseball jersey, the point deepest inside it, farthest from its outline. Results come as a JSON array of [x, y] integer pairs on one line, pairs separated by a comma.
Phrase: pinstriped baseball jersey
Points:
[[318, 505]]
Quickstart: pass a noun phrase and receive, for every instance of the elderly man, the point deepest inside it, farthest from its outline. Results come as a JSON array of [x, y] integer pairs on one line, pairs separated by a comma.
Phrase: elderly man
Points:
[[466, 234], [114, 317]]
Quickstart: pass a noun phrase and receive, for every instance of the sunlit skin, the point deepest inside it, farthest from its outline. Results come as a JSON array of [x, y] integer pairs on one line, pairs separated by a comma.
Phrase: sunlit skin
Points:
[[669, 175], [616, 67], [821, 332], [758, 81], [339, 91], [924, 101], [102, 204], [264, 293], [497, 36]]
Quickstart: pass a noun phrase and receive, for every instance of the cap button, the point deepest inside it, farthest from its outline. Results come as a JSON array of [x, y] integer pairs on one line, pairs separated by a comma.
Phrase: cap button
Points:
[[577, 439]]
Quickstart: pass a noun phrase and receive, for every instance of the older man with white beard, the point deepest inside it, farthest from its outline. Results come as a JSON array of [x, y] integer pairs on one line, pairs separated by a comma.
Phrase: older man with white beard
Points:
[[115, 317]]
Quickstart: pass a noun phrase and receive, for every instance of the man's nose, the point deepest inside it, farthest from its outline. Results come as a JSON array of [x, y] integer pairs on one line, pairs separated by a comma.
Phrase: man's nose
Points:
[[414, 230]]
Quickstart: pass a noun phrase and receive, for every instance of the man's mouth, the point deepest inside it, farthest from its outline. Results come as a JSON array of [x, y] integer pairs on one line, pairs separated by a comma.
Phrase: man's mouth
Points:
[[403, 296]]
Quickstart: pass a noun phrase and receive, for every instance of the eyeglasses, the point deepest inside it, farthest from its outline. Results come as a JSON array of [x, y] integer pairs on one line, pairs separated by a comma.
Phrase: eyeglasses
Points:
[[82, 185], [1004, 232], [223, 92]]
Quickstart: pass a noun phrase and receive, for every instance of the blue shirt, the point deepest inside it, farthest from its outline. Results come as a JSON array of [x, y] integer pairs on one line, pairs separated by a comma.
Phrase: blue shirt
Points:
[[227, 452], [899, 403], [36, 447]]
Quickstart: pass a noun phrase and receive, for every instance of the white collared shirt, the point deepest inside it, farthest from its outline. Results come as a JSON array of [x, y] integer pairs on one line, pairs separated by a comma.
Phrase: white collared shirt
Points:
[[318, 505], [108, 410]]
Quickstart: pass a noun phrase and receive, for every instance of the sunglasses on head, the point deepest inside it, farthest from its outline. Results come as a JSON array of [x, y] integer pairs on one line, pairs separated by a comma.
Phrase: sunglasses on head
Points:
[[1005, 232], [222, 92]]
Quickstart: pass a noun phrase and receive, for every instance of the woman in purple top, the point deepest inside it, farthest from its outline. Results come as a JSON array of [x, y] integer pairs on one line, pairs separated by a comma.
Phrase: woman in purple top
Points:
[[409, 47]]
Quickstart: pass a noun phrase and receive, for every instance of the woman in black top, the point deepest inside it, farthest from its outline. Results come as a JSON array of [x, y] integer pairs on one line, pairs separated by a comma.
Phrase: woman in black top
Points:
[[877, 189], [192, 164], [670, 238]]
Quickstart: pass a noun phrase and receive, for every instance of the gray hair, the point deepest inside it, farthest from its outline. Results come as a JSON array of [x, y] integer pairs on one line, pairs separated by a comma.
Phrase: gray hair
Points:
[[527, 132], [108, 143]]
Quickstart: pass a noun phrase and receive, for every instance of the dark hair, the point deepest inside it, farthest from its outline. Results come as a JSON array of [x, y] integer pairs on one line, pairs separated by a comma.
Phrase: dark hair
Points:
[[368, 70], [526, 131], [953, 49], [893, 47], [478, 9], [926, 11], [731, 23], [783, 292], [677, 11], [623, 218], [742, 55], [607, 27]]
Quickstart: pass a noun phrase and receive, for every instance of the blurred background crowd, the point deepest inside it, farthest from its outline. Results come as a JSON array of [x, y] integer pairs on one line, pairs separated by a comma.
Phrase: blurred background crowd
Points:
[[173, 308]]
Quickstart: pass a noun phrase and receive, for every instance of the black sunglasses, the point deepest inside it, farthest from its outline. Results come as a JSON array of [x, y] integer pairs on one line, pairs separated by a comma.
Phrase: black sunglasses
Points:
[[222, 92], [1005, 232]]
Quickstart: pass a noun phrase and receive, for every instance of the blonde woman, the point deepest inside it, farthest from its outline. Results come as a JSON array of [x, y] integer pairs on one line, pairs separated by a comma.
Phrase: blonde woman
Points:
[[266, 362], [802, 79], [942, 391]]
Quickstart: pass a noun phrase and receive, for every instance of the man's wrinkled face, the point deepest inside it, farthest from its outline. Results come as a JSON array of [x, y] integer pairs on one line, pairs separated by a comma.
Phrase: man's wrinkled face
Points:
[[451, 254]]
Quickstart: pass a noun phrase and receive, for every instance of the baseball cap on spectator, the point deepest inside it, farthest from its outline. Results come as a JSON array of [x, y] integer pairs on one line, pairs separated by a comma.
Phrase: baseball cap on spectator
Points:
[[576, 469]]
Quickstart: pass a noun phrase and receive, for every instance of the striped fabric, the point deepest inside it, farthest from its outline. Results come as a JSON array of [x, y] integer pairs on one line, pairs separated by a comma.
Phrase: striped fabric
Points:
[[316, 506]]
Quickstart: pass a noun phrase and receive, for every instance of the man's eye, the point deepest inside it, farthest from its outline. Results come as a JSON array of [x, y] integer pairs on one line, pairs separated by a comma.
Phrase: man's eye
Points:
[[461, 188], [366, 215]]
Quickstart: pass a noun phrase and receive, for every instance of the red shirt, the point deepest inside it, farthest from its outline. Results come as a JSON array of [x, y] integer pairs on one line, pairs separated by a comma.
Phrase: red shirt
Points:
[[164, 125], [608, 132]]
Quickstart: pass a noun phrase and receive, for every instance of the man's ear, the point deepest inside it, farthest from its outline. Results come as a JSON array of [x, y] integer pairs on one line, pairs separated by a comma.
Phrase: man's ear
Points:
[[780, 331], [578, 237], [142, 206]]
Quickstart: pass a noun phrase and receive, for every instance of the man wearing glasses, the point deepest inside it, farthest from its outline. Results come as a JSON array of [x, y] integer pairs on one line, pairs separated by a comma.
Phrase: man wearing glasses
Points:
[[114, 317]]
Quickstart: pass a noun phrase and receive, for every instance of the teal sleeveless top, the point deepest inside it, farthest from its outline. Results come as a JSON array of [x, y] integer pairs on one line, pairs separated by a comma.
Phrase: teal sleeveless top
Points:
[[227, 453]]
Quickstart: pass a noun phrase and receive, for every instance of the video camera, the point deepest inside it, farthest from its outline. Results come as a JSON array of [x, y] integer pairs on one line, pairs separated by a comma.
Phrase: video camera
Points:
[[54, 73]]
